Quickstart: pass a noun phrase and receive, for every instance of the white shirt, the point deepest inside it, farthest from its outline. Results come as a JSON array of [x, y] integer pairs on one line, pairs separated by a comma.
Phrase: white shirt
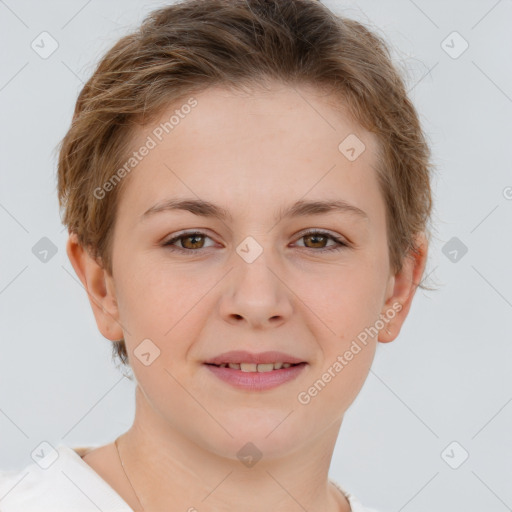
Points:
[[69, 484]]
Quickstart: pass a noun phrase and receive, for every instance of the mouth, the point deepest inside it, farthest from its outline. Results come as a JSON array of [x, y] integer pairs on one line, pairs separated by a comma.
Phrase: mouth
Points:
[[250, 361], [255, 371], [257, 367], [254, 377]]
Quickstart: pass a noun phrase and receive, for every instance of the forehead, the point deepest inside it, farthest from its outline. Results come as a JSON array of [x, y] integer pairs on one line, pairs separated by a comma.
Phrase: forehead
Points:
[[254, 149]]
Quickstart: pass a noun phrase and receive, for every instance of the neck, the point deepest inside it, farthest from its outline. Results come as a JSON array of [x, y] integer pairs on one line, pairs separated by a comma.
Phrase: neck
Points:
[[171, 471]]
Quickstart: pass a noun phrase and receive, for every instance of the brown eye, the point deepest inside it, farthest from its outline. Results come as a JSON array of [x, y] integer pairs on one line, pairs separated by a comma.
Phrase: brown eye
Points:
[[318, 240], [190, 242], [194, 243]]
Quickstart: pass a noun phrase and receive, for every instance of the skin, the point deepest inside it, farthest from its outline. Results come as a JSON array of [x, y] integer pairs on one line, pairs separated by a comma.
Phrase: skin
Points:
[[250, 153]]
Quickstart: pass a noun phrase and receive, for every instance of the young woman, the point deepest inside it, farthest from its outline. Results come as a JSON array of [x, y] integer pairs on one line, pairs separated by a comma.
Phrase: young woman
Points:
[[247, 189]]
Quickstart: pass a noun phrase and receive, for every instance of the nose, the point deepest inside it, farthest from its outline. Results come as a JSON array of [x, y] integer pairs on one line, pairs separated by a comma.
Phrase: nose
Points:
[[255, 294]]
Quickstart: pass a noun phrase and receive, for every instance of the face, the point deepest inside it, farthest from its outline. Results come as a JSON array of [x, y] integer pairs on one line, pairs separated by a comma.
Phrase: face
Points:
[[251, 280]]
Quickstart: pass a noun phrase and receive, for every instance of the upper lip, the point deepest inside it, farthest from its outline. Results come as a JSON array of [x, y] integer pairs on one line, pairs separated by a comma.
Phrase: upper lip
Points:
[[242, 356]]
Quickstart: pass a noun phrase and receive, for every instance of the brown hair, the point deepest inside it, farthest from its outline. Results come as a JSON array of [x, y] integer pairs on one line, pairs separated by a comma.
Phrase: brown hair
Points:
[[186, 47]]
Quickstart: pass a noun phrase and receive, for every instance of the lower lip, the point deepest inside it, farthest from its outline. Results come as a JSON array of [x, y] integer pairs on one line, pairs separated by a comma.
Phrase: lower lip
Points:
[[256, 381]]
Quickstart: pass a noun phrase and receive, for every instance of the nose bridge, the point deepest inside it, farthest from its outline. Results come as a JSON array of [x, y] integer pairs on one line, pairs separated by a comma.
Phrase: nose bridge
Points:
[[255, 290], [256, 266]]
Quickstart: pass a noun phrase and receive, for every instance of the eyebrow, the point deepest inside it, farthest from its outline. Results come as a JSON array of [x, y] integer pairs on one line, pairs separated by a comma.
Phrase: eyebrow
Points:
[[301, 208]]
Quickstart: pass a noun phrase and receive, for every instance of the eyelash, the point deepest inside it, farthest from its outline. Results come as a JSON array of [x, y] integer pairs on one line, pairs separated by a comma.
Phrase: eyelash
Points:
[[340, 244]]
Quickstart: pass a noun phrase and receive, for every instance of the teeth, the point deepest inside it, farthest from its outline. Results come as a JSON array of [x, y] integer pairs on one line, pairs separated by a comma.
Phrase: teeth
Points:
[[267, 367], [253, 367]]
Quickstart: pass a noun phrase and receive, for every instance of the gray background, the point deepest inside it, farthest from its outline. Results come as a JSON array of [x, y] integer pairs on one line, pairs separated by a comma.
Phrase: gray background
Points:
[[447, 378]]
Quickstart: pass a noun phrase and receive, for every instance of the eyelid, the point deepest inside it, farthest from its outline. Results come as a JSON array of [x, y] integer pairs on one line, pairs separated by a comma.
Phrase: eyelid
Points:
[[322, 231], [186, 233]]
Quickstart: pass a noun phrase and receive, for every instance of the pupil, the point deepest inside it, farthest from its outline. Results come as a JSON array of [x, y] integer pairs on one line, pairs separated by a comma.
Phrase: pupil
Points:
[[194, 237], [315, 238]]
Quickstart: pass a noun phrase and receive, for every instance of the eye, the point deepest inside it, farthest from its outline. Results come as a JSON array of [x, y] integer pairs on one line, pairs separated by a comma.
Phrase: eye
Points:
[[193, 241], [319, 237], [184, 238]]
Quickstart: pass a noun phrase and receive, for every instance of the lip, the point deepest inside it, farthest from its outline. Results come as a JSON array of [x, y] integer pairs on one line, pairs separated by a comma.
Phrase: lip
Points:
[[242, 356], [257, 381]]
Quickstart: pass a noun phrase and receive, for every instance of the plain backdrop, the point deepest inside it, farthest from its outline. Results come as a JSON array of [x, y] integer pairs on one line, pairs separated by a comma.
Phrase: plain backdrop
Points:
[[431, 427]]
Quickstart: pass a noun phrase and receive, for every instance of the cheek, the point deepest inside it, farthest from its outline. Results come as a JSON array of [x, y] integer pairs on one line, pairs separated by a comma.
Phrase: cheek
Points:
[[148, 285], [146, 300], [345, 298], [164, 303], [349, 309], [346, 307]]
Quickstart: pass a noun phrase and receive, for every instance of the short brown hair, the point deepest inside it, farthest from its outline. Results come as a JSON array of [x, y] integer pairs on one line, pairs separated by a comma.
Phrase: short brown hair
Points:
[[186, 47]]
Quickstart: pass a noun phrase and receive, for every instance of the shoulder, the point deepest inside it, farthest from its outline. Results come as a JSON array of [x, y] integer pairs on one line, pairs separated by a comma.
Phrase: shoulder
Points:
[[57, 481], [355, 504]]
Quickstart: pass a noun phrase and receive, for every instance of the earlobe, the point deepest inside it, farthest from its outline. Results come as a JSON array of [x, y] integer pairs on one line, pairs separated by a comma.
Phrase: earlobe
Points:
[[99, 286], [403, 286]]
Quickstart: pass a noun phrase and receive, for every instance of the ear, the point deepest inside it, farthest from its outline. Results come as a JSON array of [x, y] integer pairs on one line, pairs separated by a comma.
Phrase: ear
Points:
[[99, 286], [401, 289]]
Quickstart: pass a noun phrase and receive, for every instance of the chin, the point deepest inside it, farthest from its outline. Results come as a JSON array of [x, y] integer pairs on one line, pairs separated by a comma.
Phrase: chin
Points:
[[264, 437]]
